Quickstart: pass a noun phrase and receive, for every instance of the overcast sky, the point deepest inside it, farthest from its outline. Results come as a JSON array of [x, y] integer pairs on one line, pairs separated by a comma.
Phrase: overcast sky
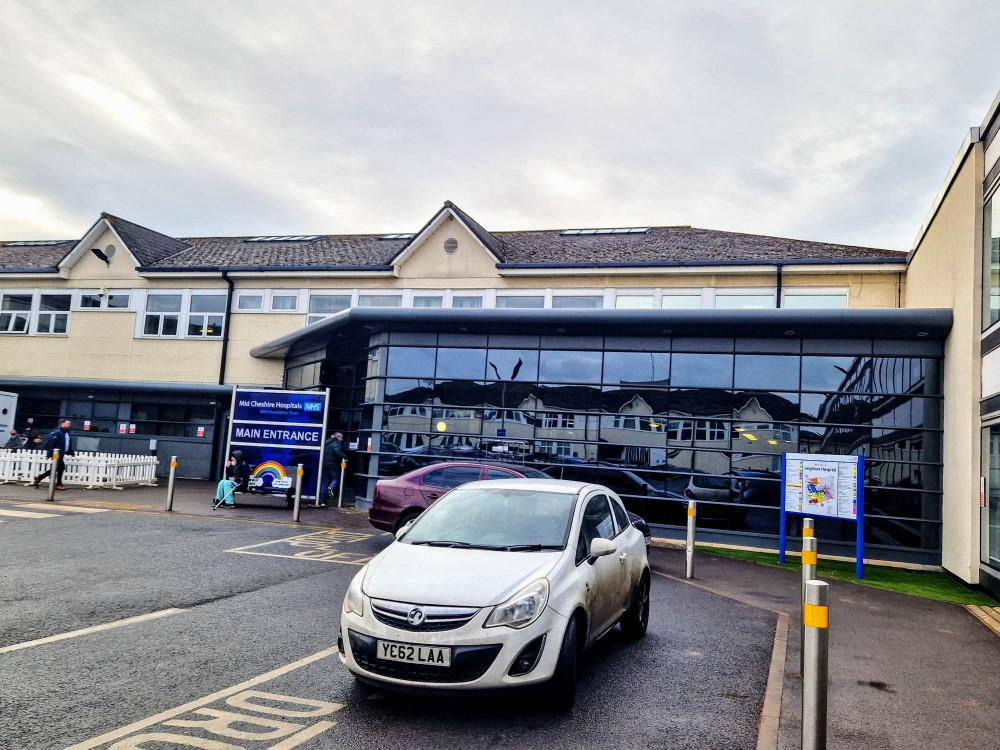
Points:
[[832, 121]]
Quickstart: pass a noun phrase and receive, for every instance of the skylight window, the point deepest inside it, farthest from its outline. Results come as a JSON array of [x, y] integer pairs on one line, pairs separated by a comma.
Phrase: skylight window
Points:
[[37, 243], [396, 237], [615, 230], [286, 238]]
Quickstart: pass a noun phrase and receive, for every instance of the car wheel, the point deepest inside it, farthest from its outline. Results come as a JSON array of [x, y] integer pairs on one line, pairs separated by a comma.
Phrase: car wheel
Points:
[[561, 689], [636, 617], [405, 518]]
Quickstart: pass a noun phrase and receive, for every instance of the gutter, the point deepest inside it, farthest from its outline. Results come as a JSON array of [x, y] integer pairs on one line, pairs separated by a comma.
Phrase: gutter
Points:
[[53, 270], [225, 327], [777, 262]]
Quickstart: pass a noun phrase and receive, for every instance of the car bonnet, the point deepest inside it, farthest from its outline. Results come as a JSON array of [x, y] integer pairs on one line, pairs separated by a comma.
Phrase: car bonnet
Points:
[[447, 576]]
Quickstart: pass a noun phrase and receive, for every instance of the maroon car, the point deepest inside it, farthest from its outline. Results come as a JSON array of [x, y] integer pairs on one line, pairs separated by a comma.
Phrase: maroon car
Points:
[[399, 500]]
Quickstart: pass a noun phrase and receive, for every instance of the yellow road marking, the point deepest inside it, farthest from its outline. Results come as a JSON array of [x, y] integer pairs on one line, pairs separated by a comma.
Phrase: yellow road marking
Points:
[[27, 514], [92, 629], [65, 508], [224, 693]]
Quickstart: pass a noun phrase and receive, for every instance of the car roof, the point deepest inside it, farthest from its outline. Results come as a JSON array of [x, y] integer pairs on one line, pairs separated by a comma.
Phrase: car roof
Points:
[[480, 464], [544, 485]]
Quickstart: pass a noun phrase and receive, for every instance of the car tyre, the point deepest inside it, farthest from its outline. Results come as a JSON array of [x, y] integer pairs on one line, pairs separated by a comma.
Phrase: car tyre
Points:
[[561, 688], [636, 617], [405, 518]]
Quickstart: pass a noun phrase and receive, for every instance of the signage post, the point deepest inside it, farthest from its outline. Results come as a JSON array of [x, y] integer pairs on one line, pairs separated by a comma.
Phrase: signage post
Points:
[[824, 486], [277, 431]]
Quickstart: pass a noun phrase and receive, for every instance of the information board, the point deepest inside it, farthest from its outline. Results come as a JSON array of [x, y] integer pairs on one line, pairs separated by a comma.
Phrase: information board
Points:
[[276, 431], [824, 486], [821, 485]]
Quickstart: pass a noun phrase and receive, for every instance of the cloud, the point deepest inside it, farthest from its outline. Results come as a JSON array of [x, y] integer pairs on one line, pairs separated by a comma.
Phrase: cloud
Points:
[[833, 122]]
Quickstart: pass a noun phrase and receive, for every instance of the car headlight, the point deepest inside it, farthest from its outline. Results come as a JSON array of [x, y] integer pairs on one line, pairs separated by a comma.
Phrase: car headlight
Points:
[[523, 608], [354, 599]]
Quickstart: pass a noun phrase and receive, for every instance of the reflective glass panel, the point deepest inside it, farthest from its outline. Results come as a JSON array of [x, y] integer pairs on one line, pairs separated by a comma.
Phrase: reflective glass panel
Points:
[[570, 367], [512, 364], [702, 370], [411, 362], [469, 364], [763, 371], [636, 367]]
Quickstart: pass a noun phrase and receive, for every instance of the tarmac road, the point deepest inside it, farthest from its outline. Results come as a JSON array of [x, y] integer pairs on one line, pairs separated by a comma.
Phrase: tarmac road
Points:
[[231, 614]]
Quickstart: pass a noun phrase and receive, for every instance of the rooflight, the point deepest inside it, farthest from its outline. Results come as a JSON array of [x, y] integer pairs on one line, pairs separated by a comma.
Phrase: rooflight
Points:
[[396, 237], [607, 230], [286, 238], [37, 243]]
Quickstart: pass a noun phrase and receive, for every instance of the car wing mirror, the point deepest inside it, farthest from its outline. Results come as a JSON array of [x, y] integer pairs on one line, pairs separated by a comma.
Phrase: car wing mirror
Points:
[[601, 548]]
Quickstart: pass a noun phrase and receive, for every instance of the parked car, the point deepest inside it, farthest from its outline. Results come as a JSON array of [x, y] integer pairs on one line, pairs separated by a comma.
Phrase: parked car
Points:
[[399, 500], [499, 584]]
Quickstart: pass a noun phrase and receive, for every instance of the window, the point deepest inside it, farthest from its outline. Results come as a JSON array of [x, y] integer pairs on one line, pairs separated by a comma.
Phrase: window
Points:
[[203, 324], [98, 301], [162, 314], [621, 517], [501, 474], [679, 430], [467, 301], [452, 476], [743, 301], [284, 302], [520, 301], [570, 367], [53, 313], [710, 430], [634, 302], [554, 448], [324, 305], [991, 262], [597, 524], [15, 310], [428, 300], [815, 301], [558, 420], [379, 300], [577, 301], [681, 301], [250, 302]]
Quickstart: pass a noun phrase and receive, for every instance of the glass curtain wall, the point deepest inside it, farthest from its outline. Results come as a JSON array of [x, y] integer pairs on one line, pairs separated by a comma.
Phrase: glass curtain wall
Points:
[[662, 421], [991, 261]]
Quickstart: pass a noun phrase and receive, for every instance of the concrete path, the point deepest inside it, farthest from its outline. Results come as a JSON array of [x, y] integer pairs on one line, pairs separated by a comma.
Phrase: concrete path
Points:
[[905, 672]]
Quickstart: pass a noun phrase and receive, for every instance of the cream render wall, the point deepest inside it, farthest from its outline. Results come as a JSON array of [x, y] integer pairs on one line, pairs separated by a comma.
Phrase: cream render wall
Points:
[[945, 272]]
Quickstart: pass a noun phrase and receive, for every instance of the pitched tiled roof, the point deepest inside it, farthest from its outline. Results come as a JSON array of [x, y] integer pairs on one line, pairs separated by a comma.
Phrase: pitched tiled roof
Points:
[[16, 257], [660, 245], [146, 245]]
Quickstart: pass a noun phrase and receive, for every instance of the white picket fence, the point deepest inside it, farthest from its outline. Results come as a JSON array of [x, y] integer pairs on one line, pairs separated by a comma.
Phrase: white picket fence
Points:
[[114, 471]]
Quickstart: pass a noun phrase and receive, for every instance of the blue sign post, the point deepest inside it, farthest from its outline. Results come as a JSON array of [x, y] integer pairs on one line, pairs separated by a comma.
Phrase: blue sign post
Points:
[[276, 431], [824, 486]]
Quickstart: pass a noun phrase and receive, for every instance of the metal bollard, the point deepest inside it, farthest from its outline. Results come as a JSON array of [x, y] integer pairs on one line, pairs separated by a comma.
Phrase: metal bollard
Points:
[[815, 678], [170, 483], [808, 574], [298, 493], [52, 476], [340, 486], [808, 527], [689, 547]]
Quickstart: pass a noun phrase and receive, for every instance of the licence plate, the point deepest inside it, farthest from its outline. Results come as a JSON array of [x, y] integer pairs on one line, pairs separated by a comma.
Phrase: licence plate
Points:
[[434, 656]]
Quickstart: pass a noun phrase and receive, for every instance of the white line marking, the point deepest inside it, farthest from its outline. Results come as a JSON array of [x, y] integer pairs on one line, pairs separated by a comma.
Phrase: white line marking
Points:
[[274, 541], [27, 514], [293, 557], [63, 508], [92, 629], [224, 693]]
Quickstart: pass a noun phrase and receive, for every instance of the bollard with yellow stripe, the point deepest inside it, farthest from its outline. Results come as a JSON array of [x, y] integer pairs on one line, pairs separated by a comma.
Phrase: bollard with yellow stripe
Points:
[[689, 544], [816, 664], [809, 559]]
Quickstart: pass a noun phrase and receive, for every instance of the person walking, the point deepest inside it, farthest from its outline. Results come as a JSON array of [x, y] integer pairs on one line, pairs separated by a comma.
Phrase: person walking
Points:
[[237, 475], [333, 454], [62, 439], [16, 441]]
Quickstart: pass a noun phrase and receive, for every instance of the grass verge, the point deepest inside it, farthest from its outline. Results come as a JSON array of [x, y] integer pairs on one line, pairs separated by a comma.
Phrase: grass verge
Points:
[[928, 584]]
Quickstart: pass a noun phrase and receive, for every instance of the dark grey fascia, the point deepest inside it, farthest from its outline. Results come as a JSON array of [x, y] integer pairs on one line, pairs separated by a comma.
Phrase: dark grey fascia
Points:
[[901, 260], [263, 269], [889, 323], [117, 385]]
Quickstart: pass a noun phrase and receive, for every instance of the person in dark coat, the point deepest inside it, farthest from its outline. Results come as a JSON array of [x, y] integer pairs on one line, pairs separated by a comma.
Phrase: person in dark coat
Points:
[[62, 439], [237, 476], [333, 454], [16, 441]]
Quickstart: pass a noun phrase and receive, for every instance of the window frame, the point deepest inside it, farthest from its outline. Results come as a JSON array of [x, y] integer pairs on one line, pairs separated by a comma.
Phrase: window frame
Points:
[[50, 315], [816, 291], [104, 300], [583, 513], [15, 314]]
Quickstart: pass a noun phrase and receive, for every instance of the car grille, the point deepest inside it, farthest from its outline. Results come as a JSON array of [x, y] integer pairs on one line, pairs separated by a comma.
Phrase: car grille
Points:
[[435, 619], [468, 663]]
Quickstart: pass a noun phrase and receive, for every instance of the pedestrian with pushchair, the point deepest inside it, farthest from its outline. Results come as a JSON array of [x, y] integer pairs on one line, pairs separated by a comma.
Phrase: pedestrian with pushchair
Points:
[[60, 439], [237, 477], [333, 454]]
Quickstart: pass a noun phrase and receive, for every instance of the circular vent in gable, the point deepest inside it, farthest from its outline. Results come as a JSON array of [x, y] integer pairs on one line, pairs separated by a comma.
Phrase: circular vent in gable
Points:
[[451, 246], [110, 251]]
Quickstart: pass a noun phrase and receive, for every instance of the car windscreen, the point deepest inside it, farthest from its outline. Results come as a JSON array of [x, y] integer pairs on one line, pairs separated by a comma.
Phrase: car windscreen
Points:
[[496, 519]]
